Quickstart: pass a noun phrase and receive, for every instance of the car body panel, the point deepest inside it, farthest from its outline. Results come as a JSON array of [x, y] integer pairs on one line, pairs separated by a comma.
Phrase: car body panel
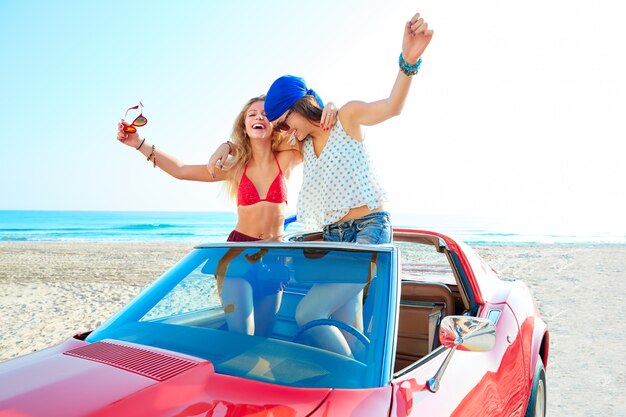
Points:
[[535, 331], [532, 327], [70, 386], [366, 402]]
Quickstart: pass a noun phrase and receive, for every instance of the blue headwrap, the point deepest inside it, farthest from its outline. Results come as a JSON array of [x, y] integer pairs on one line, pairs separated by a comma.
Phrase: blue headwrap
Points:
[[284, 93]]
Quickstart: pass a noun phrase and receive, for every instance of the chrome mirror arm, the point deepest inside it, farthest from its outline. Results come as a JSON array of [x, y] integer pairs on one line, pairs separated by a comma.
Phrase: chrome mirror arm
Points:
[[433, 383]]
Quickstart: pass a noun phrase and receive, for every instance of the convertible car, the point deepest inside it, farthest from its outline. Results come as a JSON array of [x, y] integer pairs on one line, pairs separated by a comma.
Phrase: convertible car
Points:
[[441, 335]]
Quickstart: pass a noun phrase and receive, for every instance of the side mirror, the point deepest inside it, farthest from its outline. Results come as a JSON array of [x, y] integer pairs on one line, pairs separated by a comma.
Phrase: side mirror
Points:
[[470, 334]]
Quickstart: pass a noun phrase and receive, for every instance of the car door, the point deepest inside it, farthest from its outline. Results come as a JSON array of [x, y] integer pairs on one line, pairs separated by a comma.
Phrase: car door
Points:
[[473, 384]]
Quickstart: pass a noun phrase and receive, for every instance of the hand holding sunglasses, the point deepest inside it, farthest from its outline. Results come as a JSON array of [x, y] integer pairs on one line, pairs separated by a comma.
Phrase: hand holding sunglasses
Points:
[[139, 121], [127, 132]]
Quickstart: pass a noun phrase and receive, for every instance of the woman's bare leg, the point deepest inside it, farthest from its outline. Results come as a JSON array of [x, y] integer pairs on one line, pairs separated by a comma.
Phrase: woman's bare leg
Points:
[[352, 313], [238, 305], [321, 302], [265, 310]]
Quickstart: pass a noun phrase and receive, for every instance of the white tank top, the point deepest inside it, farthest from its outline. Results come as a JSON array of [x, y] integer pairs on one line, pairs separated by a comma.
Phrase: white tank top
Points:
[[342, 178]]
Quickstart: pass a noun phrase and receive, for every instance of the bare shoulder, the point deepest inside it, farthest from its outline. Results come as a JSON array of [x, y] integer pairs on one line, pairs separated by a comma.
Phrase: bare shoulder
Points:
[[347, 116], [288, 159], [284, 145]]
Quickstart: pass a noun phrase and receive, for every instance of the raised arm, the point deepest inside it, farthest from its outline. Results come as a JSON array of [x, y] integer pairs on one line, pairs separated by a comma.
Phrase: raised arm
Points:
[[167, 162], [416, 38]]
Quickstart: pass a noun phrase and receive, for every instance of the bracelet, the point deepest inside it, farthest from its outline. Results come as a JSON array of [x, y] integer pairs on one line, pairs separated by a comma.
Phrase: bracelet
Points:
[[408, 69], [152, 154], [141, 144]]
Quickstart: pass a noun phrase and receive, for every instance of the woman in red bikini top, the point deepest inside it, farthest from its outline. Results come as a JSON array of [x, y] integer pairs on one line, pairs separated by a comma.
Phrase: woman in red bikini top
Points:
[[257, 178], [247, 193]]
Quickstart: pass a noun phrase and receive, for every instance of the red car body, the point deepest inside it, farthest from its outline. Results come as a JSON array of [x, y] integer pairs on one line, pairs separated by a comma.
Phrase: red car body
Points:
[[122, 378]]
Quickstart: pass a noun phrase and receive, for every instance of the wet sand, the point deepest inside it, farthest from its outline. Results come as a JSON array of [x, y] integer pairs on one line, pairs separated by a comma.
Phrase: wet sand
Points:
[[51, 291]]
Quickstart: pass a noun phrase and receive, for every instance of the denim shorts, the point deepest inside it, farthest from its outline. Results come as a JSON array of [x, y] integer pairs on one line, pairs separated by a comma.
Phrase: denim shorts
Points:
[[372, 228]]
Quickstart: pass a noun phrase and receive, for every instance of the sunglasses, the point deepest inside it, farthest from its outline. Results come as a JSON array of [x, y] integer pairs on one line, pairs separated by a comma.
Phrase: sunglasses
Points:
[[139, 120], [282, 125]]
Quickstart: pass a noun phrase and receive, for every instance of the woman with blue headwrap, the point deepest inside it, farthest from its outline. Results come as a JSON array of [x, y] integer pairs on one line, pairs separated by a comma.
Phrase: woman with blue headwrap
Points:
[[341, 193]]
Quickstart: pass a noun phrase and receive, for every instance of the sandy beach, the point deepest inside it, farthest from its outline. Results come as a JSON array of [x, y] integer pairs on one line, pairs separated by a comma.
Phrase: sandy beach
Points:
[[51, 291]]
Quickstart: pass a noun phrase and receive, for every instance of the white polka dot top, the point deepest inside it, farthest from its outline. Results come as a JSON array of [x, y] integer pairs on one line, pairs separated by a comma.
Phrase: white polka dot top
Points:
[[341, 178]]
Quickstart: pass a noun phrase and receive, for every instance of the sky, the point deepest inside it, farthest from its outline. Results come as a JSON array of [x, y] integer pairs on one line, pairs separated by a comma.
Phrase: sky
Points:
[[517, 115]]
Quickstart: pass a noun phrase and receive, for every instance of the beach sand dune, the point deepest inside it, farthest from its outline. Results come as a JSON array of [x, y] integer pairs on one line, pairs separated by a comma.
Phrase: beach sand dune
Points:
[[51, 291]]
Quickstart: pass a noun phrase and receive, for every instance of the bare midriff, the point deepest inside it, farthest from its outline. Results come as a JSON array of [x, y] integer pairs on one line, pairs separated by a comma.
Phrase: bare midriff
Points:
[[358, 212], [263, 220]]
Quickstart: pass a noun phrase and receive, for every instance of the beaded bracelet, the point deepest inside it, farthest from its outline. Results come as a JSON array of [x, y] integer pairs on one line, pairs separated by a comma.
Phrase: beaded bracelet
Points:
[[408, 69], [141, 144], [152, 154]]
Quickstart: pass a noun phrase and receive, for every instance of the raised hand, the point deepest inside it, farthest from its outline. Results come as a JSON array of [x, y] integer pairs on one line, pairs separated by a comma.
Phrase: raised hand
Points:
[[130, 139], [417, 36]]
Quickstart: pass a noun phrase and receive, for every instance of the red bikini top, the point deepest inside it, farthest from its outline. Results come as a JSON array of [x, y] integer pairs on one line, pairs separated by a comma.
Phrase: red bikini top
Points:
[[248, 194]]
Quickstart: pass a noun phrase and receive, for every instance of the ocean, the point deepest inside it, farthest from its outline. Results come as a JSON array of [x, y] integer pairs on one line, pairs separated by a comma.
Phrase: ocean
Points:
[[198, 227], [114, 226]]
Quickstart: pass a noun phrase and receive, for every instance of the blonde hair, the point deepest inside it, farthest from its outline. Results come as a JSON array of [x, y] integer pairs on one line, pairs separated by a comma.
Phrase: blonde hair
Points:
[[241, 148]]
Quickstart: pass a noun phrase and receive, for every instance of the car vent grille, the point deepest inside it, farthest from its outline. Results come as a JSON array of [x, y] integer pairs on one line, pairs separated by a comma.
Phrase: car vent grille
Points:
[[158, 366]]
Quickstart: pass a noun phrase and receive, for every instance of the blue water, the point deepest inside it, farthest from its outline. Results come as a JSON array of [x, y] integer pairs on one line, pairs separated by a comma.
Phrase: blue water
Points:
[[118, 226], [196, 227]]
